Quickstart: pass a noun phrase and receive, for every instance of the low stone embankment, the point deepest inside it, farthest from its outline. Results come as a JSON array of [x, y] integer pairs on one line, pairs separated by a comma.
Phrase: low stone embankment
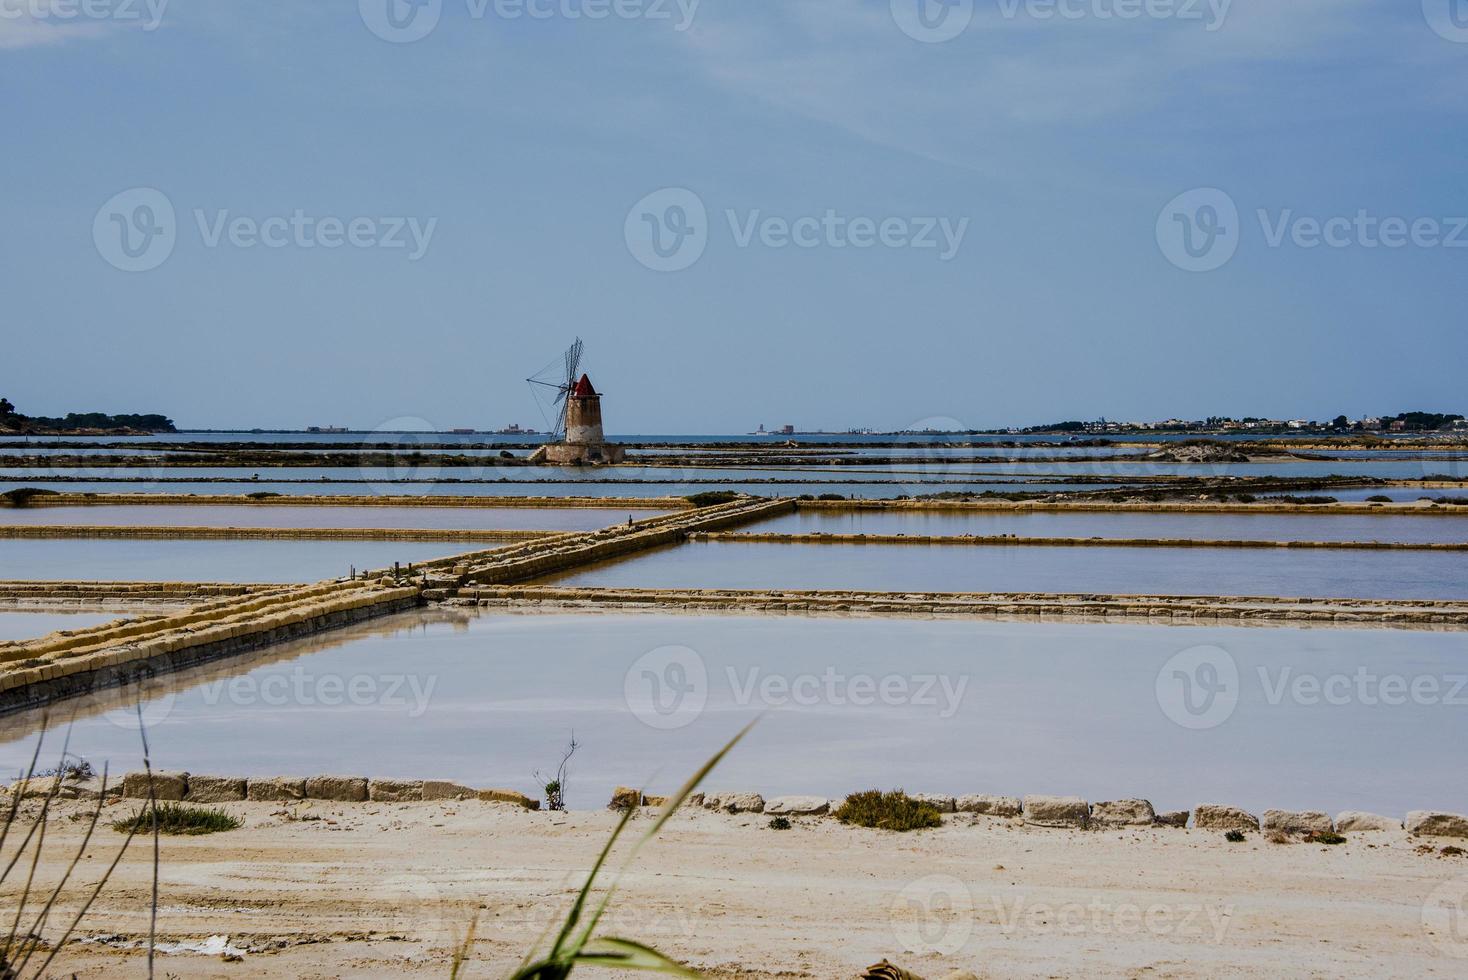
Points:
[[1074, 813], [1414, 508], [89, 593], [324, 500], [1174, 610], [1014, 541], [549, 557], [52, 531], [190, 788], [35, 672], [65, 664]]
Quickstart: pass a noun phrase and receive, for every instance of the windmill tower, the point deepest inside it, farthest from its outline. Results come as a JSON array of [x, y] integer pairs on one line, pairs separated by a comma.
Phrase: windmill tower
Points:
[[579, 437]]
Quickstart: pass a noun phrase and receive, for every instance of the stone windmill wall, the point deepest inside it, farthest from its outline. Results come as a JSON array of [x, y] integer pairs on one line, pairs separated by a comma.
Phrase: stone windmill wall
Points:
[[585, 441]]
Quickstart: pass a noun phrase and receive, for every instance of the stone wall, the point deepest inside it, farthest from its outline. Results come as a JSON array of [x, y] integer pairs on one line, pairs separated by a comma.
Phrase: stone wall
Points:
[[1173, 610], [1075, 813]]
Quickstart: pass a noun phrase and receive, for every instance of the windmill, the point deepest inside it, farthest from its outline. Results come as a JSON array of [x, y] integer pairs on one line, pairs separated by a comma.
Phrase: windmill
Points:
[[559, 379], [579, 439]]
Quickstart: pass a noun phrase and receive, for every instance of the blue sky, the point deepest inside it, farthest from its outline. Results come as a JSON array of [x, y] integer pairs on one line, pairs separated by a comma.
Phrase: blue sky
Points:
[[534, 157]]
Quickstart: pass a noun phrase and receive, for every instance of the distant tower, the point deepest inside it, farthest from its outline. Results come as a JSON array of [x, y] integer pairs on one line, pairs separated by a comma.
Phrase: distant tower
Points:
[[583, 415]]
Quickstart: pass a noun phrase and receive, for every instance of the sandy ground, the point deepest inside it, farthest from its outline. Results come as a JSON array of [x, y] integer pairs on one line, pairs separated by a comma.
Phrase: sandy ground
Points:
[[342, 890]]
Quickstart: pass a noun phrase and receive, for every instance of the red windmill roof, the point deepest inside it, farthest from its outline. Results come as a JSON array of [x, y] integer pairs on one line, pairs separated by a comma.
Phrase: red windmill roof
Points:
[[583, 388]]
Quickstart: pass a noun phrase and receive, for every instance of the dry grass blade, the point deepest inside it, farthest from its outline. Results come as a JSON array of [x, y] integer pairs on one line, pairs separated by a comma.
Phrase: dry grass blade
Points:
[[37, 831], [38, 927], [462, 949], [20, 790]]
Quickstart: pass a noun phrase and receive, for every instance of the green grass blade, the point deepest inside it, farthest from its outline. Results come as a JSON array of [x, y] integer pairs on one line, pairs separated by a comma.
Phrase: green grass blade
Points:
[[674, 802], [575, 915], [624, 954]]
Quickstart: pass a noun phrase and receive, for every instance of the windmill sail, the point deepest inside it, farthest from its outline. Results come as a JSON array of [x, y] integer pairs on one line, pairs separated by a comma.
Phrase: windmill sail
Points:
[[560, 382]]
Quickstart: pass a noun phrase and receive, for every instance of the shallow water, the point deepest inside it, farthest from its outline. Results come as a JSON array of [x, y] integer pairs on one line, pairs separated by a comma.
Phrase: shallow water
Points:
[[968, 707], [1039, 524], [283, 516], [29, 625], [107, 560], [955, 568]]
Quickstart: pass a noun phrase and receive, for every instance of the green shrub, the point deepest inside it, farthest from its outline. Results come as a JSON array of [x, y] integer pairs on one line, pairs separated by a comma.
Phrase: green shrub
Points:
[[262, 495], [22, 496], [779, 823], [1235, 837], [179, 819], [1378, 499], [1324, 837], [830, 496], [894, 810], [712, 498]]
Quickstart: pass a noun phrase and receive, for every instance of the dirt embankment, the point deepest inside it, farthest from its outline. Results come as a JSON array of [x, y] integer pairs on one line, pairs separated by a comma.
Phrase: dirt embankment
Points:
[[359, 890]]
